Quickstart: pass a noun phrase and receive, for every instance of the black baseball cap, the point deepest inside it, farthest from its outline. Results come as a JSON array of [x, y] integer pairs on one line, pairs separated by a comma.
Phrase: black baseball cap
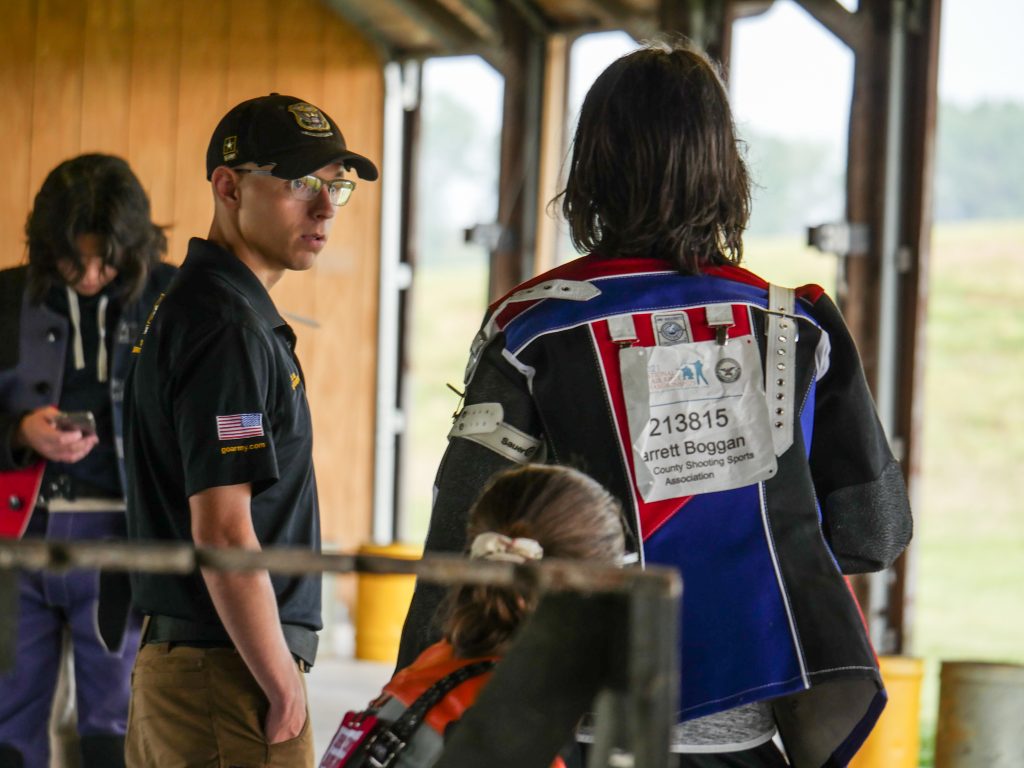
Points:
[[292, 134]]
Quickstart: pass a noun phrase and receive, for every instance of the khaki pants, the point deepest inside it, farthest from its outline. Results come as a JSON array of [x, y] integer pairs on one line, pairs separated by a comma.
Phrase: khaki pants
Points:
[[202, 708]]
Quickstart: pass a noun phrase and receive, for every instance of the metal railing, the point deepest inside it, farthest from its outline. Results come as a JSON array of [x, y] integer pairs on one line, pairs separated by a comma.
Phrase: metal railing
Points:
[[599, 634]]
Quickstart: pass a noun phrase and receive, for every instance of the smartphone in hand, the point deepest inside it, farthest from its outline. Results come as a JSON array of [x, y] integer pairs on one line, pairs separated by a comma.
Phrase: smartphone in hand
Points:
[[83, 421]]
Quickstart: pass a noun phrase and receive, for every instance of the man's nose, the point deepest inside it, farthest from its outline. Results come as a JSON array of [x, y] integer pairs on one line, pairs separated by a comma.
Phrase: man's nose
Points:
[[323, 208]]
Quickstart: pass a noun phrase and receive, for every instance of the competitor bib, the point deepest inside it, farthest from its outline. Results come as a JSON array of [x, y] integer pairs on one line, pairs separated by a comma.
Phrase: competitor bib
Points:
[[698, 417]]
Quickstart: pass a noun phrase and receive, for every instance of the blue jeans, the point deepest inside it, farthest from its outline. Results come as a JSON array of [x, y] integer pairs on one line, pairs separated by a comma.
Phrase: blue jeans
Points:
[[49, 602]]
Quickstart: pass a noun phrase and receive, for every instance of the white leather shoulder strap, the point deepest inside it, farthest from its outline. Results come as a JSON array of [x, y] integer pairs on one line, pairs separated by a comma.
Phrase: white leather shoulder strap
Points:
[[780, 365]]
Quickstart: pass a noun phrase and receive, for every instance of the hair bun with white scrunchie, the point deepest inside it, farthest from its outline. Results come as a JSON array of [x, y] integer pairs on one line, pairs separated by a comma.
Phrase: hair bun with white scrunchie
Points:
[[496, 546]]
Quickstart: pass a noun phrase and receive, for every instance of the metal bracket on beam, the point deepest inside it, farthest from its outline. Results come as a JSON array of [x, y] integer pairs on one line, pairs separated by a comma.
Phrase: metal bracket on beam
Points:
[[842, 238], [487, 236]]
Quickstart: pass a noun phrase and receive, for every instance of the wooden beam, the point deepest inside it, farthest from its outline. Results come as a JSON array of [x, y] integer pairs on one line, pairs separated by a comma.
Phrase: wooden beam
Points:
[[742, 9], [451, 31], [702, 21], [523, 57], [919, 167], [552, 149], [887, 598], [848, 27], [528, 13], [354, 12], [617, 14], [479, 15]]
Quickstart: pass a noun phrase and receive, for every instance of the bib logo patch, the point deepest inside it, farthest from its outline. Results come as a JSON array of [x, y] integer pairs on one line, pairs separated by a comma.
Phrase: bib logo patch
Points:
[[310, 119], [672, 328], [728, 370], [691, 374]]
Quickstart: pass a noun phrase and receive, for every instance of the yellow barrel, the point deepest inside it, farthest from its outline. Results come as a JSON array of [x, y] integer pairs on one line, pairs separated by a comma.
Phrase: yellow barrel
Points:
[[981, 716], [896, 740], [382, 600]]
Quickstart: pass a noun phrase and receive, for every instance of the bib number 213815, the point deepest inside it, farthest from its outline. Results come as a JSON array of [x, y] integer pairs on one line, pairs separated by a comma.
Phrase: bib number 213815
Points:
[[698, 417]]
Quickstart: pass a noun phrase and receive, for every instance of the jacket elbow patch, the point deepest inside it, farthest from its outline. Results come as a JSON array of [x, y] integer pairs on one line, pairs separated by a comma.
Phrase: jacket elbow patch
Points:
[[869, 525], [484, 424]]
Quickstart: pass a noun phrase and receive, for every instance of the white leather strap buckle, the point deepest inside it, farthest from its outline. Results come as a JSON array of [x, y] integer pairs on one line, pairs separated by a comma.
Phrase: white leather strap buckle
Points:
[[477, 419], [573, 290], [780, 365], [719, 317], [622, 329]]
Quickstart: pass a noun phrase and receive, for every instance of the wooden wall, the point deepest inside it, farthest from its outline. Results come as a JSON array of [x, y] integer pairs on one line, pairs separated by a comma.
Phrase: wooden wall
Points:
[[149, 80]]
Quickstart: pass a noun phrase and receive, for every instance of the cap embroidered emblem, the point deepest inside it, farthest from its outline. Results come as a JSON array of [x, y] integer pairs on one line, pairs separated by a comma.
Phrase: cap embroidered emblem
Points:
[[230, 148], [310, 118]]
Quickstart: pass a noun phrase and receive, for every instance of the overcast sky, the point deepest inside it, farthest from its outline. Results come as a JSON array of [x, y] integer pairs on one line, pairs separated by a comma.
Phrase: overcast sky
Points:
[[775, 86], [790, 77]]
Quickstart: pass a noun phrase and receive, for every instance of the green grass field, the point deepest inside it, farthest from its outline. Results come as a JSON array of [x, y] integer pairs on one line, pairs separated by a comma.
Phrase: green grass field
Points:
[[968, 552]]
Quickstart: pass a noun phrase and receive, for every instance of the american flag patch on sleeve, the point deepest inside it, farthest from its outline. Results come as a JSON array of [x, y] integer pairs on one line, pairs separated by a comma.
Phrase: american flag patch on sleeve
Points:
[[239, 425]]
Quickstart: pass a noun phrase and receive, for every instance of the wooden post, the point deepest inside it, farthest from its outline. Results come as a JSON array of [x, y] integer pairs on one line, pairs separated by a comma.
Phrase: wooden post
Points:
[[522, 60], [552, 148], [918, 158], [888, 188]]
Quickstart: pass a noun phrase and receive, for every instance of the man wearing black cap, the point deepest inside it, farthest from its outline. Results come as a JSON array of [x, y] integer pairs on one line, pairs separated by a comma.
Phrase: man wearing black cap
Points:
[[219, 452]]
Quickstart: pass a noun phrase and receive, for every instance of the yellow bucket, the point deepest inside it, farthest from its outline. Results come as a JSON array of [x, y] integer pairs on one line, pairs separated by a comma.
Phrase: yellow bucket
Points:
[[382, 600], [896, 740]]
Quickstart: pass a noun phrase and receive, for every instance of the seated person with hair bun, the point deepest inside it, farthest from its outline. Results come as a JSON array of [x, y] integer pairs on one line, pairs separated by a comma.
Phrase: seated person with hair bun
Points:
[[522, 515]]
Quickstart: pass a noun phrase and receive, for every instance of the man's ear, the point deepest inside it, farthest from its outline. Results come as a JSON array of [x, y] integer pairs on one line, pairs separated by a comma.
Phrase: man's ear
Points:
[[225, 186]]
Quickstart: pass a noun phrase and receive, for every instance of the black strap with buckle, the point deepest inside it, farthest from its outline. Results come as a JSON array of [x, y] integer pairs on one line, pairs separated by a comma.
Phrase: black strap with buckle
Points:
[[388, 742]]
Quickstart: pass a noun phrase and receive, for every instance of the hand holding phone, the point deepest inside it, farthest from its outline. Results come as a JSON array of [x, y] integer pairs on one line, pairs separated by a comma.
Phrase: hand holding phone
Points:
[[52, 434], [69, 421]]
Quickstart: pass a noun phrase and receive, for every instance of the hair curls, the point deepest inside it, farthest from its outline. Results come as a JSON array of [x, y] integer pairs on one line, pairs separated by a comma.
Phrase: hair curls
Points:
[[569, 514]]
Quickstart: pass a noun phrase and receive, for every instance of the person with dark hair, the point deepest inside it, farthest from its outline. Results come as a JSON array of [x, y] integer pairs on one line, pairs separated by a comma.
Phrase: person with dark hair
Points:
[[219, 453], [68, 320], [523, 514], [729, 416]]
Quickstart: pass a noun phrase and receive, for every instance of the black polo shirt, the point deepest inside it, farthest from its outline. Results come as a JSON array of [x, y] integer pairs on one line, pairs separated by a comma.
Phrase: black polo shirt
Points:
[[217, 397]]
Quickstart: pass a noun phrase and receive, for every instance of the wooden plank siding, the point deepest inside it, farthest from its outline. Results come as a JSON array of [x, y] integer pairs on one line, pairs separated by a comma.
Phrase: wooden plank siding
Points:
[[17, 72], [148, 81]]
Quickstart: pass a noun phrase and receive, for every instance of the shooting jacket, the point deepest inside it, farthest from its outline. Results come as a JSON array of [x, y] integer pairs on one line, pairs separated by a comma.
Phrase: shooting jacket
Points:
[[767, 613]]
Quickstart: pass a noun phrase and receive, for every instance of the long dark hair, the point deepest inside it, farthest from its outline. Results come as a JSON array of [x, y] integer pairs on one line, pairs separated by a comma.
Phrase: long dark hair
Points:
[[569, 514], [656, 169], [92, 195]]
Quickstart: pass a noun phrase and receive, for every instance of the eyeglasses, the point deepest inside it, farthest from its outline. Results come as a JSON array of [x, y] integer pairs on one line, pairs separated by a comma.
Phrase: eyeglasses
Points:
[[308, 187]]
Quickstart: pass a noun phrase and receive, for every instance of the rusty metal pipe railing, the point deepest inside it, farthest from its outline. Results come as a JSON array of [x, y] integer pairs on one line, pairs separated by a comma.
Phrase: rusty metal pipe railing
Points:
[[638, 685]]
